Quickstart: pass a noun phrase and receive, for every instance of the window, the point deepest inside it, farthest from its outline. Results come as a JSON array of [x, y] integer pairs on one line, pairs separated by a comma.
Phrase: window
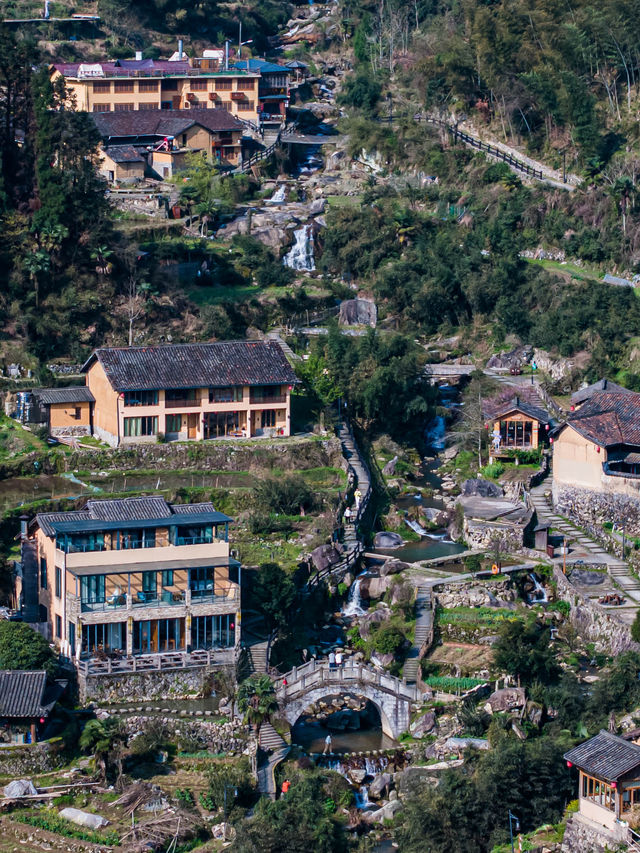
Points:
[[268, 418], [102, 86], [198, 85], [218, 424], [123, 108], [105, 638], [198, 535], [246, 85], [224, 105], [141, 398], [181, 397], [134, 427], [77, 413], [208, 632], [92, 589], [597, 791], [58, 582], [267, 394], [123, 86], [72, 637], [101, 108], [202, 582], [246, 106], [167, 578], [138, 539], [148, 105], [148, 86], [231, 394], [224, 85], [169, 85], [174, 423], [158, 635], [58, 627], [150, 584], [43, 573]]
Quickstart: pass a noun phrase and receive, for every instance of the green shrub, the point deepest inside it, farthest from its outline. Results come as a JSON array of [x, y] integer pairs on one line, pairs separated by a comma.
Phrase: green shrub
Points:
[[287, 495], [493, 471], [51, 822], [185, 797], [342, 589], [450, 684], [388, 640]]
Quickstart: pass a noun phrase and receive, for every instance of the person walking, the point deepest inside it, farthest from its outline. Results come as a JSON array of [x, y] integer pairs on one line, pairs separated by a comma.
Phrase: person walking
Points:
[[338, 660], [327, 745], [358, 496], [332, 660], [285, 787]]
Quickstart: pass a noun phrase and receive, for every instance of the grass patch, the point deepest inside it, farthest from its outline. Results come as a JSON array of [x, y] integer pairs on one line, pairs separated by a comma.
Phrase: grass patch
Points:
[[474, 615], [344, 200], [52, 822], [451, 684], [15, 440]]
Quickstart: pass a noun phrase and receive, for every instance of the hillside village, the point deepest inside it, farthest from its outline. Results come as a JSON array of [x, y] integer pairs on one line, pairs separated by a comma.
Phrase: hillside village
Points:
[[320, 428]]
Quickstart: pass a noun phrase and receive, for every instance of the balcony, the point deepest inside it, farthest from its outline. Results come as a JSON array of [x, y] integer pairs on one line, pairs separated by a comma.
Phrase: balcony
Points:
[[157, 662], [195, 540], [183, 403], [268, 399]]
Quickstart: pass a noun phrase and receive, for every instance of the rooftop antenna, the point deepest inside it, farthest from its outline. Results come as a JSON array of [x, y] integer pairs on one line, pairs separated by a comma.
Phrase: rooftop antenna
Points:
[[226, 55]]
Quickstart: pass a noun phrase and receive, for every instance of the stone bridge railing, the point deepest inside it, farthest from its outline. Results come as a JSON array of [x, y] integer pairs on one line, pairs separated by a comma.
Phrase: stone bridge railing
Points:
[[315, 674]]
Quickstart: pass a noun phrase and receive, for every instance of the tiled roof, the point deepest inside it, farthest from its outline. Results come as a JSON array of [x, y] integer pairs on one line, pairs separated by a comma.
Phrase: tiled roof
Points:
[[529, 409], [583, 394], [195, 365], [134, 509], [74, 394], [161, 123], [605, 756], [124, 154], [608, 419], [22, 694]]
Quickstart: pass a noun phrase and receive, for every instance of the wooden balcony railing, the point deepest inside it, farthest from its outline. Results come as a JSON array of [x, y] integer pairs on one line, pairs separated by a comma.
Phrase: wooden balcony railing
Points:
[[183, 403]]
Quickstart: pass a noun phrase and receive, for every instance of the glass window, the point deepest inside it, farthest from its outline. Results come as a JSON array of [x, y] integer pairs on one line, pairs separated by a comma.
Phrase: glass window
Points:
[[198, 535], [221, 423], [72, 637], [167, 577], [141, 398], [208, 632], [202, 582], [92, 589], [268, 418], [104, 638], [224, 85], [246, 106], [59, 627], [148, 86], [123, 108], [198, 85], [101, 108], [43, 573], [231, 394], [58, 582], [102, 86], [123, 86], [147, 425], [174, 423], [150, 584], [246, 85]]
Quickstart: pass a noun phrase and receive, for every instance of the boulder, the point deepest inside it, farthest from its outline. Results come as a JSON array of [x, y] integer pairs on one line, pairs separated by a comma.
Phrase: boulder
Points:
[[378, 616], [379, 786], [358, 312], [392, 567], [382, 661], [387, 812], [386, 539], [325, 556], [534, 712], [506, 360], [374, 587], [423, 725], [477, 487], [357, 775], [506, 700], [390, 468]]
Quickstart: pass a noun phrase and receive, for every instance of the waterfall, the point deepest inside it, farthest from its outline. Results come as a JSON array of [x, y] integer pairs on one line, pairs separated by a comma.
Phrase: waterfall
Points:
[[417, 528], [362, 798], [354, 607], [300, 257], [279, 195], [434, 433], [538, 596]]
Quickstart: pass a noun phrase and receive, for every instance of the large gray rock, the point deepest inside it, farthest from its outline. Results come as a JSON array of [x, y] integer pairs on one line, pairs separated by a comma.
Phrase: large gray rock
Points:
[[379, 786], [481, 488], [516, 358], [387, 812], [387, 539], [325, 556], [392, 567], [375, 587], [358, 312], [506, 700], [423, 725]]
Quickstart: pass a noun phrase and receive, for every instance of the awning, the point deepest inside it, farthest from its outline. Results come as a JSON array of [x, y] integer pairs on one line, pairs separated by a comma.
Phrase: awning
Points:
[[156, 566], [630, 457]]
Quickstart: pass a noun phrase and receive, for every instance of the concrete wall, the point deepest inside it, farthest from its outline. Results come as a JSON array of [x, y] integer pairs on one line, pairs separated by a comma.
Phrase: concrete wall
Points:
[[105, 413], [576, 460], [63, 415]]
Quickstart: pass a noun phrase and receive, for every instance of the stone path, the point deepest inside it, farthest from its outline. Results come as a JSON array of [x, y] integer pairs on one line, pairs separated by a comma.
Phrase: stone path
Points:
[[424, 622], [274, 750], [593, 551]]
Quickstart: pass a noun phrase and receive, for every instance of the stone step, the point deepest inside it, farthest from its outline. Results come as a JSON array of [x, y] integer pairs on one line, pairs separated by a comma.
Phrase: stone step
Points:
[[269, 737]]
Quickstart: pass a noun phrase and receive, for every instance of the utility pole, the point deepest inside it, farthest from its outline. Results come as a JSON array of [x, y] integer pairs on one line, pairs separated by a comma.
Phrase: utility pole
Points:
[[513, 821]]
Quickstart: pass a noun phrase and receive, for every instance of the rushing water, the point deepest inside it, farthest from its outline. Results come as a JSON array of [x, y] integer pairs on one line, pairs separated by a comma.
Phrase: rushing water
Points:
[[300, 257], [538, 595], [354, 607], [279, 195], [435, 432]]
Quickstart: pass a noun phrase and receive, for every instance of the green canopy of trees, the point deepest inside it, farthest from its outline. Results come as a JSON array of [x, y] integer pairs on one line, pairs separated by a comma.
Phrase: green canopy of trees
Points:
[[23, 648]]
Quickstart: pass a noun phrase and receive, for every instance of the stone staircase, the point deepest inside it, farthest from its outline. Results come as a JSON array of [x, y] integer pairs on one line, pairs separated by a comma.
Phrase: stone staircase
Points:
[[284, 346], [273, 750], [424, 627]]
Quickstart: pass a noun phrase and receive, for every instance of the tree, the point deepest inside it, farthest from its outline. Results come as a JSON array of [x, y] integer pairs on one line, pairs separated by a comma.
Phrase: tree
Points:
[[23, 648], [635, 628], [272, 594], [523, 650], [257, 700], [105, 739]]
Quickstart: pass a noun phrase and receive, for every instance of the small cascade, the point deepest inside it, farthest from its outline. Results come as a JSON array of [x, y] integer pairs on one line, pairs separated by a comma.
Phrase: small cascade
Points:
[[354, 607], [415, 526], [300, 257], [279, 195], [362, 798], [435, 432], [538, 595]]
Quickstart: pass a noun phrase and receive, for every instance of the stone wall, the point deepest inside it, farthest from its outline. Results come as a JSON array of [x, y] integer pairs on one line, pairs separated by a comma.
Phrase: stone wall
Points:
[[192, 735], [594, 623], [153, 686], [582, 835], [19, 761], [480, 535], [592, 508]]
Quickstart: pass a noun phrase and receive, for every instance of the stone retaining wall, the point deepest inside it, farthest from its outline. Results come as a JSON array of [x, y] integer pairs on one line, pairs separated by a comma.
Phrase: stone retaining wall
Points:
[[592, 508], [594, 623], [584, 836], [27, 760], [231, 737], [152, 686]]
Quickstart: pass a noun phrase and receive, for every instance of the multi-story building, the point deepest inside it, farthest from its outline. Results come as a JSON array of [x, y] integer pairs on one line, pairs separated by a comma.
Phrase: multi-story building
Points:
[[190, 391], [130, 85], [130, 583], [273, 88]]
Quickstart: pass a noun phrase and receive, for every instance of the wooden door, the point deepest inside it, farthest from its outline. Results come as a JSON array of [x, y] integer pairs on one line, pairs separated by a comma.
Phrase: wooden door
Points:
[[192, 426]]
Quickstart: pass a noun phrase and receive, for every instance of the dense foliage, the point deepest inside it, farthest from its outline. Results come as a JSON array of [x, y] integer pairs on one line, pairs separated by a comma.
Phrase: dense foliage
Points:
[[23, 648]]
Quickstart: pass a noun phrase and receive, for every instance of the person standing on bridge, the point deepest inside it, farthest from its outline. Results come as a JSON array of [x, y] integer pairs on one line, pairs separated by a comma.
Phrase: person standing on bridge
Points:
[[338, 660], [332, 660], [327, 745]]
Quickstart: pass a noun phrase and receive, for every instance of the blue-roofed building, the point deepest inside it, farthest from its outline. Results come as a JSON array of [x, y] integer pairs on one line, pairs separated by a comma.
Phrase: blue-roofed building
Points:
[[273, 87], [138, 584]]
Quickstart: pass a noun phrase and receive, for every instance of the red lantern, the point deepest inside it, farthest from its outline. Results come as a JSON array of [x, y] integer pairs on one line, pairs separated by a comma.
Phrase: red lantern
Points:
[[546, 426], [614, 785], [598, 449], [573, 408], [41, 720], [569, 764], [551, 441]]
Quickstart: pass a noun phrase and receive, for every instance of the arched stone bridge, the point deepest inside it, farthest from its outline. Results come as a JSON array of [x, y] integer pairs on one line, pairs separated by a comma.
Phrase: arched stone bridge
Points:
[[314, 680]]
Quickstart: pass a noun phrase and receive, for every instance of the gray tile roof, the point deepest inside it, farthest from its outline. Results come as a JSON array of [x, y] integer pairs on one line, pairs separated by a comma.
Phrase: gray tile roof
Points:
[[529, 409], [609, 419], [160, 123], [22, 694], [195, 365], [583, 394], [74, 394], [134, 509], [124, 154], [606, 756]]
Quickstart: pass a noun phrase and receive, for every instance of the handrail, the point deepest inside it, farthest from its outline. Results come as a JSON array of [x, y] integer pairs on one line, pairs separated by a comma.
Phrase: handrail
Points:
[[315, 673]]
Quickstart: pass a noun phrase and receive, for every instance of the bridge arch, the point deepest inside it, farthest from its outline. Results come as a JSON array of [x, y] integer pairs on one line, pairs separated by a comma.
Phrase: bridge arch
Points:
[[306, 685]]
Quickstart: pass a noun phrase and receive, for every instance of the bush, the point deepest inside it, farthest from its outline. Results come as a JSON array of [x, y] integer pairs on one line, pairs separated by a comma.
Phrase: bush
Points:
[[388, 640], [229, 775], [287, 495], [23, 648], [493, 471]]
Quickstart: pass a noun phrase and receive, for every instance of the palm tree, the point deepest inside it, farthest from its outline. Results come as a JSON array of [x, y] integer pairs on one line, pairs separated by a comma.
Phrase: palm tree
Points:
[[257, 700], [101, 255], [34, 264], [105, 738]]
